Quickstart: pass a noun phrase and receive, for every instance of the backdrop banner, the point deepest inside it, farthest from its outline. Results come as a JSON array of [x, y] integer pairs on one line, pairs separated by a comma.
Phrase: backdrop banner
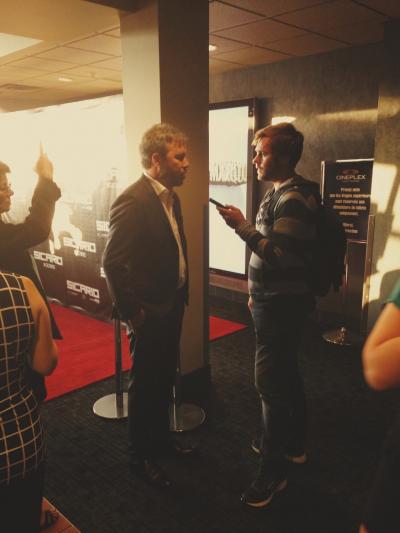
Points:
[[346, 188], [86, 142]]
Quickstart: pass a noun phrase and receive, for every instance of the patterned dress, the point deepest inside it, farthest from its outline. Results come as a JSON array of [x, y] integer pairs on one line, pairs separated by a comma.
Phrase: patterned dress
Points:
[[21, 432]]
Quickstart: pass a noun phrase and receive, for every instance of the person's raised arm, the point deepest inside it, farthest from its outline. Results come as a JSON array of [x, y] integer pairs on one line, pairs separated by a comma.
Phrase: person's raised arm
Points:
[[45, 351]]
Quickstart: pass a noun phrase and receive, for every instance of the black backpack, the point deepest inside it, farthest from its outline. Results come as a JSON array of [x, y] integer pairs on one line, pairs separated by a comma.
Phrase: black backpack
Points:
[[328, 251]]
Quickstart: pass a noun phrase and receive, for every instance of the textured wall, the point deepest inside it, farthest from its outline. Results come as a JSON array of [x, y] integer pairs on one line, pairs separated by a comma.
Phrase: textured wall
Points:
[[334, 98]]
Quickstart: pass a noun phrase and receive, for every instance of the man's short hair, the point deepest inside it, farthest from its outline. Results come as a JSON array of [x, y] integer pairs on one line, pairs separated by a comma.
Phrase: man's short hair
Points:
[[156, 140], [4, 169], [285, 140]]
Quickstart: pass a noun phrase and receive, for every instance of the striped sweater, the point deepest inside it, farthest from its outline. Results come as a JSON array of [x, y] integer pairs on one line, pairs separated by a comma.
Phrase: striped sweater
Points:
[[282, 239]]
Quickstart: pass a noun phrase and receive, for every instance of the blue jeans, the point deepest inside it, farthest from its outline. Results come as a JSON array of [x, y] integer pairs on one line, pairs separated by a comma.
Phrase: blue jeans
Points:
[[279, 323]]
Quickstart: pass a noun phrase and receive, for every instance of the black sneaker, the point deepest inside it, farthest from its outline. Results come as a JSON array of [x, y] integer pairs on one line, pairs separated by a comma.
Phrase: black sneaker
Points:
[[261, 491], [294, 457]]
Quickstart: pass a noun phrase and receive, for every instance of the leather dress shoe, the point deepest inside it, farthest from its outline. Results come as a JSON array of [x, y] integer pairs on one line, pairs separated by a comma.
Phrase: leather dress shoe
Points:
[[179, 449], [183, 449], [151, 472]]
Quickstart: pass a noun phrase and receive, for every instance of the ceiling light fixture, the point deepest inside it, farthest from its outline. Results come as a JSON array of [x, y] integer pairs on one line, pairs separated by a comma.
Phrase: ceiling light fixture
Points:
[[212, 47], [12, 43], [67, 80]]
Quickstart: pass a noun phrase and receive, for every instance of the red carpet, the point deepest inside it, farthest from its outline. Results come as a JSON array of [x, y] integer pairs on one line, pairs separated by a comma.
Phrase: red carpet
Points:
[[220, 327], [87, 355]]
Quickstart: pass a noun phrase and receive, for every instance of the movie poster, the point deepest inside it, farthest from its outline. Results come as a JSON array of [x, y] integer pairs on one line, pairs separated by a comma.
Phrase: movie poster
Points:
[[86, 142], [228, 161]]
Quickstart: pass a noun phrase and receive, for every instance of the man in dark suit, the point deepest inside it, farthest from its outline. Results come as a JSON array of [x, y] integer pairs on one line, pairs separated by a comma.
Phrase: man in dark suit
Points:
[[17, 239], [145, 262]]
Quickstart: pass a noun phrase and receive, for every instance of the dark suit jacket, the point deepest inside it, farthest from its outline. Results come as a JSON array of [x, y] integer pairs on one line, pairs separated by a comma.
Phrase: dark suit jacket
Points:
[[141, 258]]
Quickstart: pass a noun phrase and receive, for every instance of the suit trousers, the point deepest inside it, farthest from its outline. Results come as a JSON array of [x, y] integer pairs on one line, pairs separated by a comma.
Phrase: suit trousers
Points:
[[279, 324], [155, 350]]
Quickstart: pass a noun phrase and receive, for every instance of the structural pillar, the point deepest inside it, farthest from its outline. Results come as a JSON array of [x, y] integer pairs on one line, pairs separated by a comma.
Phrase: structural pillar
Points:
[[165, 79]]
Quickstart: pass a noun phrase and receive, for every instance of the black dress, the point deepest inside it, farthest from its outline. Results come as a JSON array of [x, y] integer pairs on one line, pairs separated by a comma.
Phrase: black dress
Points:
[[21, 432]]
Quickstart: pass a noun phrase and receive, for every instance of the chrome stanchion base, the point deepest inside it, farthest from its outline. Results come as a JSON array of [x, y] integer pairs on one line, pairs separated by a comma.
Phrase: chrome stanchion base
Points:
[[109, 407], [342, 337], [185, 417]]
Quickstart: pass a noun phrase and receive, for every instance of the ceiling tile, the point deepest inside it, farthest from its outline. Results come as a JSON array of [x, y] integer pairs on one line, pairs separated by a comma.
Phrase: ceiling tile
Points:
[[72, 55], [330, 15], [93, 71], [217, 66], [388, 7], [19, 72], [272, 8], [224, 45], [261, 32], [54, 78], [307, 44], [224, 16], [56, 20], [48, 65], [114, 63], [252, 56], [103, 85], [116, 32], [361, 33], [99, 43]]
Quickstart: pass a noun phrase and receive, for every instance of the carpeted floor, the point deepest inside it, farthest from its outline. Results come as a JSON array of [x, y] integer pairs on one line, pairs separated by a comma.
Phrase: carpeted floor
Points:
[[86, 353], [88, 478]]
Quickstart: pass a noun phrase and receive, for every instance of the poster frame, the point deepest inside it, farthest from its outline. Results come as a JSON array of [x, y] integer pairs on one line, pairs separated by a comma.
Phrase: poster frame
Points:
[[253, 105]]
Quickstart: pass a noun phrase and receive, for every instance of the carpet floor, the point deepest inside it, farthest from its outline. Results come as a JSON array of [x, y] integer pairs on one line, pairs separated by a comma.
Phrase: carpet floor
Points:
[[87, 352], [89, 481]]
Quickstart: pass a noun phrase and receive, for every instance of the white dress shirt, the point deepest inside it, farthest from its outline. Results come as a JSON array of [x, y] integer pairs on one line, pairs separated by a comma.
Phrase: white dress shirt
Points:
[[167, 201]]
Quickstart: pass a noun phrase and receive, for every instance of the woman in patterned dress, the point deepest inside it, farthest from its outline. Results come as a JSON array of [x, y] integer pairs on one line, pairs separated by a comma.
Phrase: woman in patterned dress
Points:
[[25, 340]]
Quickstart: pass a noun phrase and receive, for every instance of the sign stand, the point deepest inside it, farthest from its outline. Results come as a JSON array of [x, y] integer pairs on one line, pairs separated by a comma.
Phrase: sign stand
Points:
[[343, 336], [114, 405]]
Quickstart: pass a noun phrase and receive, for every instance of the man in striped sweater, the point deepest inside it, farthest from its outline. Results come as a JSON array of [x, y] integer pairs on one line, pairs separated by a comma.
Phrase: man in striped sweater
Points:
[[280, 300]]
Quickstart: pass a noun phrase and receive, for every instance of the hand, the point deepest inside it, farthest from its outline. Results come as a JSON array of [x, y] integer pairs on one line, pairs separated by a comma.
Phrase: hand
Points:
[[250, 304], [137, 320], [44, 167], [232, 215]]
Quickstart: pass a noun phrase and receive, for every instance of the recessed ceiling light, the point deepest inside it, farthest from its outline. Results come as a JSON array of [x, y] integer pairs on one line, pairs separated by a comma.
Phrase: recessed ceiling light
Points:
[[212, 47], [62, 78], [12, 43]]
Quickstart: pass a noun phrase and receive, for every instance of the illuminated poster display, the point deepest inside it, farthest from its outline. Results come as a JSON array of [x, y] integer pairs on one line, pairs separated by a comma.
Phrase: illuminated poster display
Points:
[[346, 188], [230, 127], [86, 142]]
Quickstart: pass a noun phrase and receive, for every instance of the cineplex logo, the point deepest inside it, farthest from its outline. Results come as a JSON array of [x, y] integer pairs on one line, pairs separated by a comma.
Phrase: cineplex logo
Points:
[[80, 247], [351, 175], [79, 288], [48, 260]]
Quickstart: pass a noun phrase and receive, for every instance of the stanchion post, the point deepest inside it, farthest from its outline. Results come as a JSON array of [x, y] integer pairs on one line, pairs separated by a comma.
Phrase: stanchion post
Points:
[[114, 405], [367, 275], [343, 336], [118, 364], [183, 416]]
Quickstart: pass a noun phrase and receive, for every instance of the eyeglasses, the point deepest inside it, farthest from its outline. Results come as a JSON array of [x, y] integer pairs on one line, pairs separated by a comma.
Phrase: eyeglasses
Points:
[[7, 187]]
